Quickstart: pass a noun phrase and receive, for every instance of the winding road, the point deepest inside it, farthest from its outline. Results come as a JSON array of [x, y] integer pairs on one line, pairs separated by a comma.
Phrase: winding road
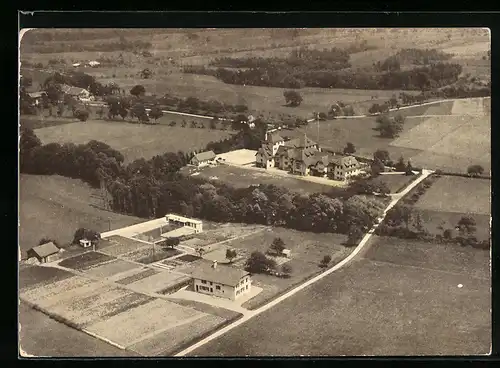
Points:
[[395, 199]]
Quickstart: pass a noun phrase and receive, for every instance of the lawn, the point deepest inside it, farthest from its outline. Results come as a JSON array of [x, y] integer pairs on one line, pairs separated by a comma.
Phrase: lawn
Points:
[[37, 122], [134, 141], [55, 207], [243, 178], [112, 268], [307, 251], [458, 194], [395, 183], [31, 276], [388, 303]]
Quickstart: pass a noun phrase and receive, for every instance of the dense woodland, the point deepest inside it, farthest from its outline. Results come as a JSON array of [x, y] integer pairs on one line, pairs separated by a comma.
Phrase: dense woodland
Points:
[[151, 188], [332, 69]]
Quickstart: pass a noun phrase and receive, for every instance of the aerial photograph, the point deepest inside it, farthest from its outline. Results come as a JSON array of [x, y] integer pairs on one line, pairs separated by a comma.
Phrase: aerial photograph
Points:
[[254, 192]]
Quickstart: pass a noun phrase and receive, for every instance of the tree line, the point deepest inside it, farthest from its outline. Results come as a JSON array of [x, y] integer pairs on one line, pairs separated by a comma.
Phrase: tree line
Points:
[[151, 188], [419, 78], [413, 57]]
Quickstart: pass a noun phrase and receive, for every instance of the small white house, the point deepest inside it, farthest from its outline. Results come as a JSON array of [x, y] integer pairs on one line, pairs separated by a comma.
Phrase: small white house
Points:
[[287, 253], [85, 243], [203, 158], [222, 281], [94, 63]]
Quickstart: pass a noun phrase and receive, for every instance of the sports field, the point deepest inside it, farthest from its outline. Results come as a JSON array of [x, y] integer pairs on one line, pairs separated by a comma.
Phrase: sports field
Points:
[[55, 207], [400, 299], [133, 140]]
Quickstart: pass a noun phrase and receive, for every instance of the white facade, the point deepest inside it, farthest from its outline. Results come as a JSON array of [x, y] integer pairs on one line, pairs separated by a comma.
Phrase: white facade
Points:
[[196, 225], [221, 290]]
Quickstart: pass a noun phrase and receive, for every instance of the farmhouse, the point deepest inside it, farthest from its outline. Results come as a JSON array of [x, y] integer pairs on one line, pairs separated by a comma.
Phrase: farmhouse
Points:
[[173, 219], [222, 281], [79, 93], [44, 253], [203, 158]]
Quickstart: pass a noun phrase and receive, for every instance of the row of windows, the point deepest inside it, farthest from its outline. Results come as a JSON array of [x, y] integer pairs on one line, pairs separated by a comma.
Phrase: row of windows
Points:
[[239, 291]]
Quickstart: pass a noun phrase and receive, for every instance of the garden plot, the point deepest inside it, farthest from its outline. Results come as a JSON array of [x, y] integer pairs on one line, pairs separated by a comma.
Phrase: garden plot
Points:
[[147, 256], [36, 276], [430, 132], [49, 291], [73, 311], [68, 297], [111, 269], [139, 275], [193, 243], [158, 281], [167, 342], [111, 308], [129, 327], [86, 260], [122, 246]]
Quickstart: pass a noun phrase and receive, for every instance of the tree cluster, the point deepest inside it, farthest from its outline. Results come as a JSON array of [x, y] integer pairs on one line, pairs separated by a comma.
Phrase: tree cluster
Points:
[[146, 188], [412, 57], [420, 78], [389, 127]]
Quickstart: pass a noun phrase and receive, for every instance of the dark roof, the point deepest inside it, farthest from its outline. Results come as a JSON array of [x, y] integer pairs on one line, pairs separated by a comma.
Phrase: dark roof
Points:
[[202, 156], [225, 275], [343, 161], [45, 250], [300, 142], [266, 150], [274, 138]]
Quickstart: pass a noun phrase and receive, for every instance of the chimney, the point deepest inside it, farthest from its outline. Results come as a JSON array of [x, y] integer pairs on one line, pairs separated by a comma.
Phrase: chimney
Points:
[[214, 265]]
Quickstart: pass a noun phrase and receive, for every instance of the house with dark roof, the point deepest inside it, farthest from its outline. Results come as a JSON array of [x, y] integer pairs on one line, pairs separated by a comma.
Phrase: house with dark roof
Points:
[[221, 280], [47, 252], [203, 158], [295, 155], [343, 167]]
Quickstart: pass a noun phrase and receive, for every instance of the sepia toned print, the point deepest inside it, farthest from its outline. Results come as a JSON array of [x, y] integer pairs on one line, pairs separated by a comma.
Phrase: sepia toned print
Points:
[[299, 192]]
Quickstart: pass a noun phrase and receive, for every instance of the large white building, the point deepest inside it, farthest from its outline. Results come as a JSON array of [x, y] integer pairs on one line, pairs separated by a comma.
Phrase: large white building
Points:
[[222, 281]]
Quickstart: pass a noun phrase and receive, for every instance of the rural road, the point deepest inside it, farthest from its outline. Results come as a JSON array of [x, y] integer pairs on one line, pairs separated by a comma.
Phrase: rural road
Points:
[[96, 104], [403, 108], [359, 247]]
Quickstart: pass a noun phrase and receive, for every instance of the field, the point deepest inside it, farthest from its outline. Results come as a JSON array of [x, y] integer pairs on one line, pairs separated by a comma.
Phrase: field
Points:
[[124, 137], [394, 182], [452, 142], [458, 194], [37, 122], [54, 207], [243, 178], [400, 299], [450, 198]]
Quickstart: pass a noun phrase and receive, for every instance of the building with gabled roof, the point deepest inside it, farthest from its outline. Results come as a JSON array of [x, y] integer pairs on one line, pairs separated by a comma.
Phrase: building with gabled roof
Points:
[[44, 253], [76, 92], [221, 280], [203, 158], [343, 167]]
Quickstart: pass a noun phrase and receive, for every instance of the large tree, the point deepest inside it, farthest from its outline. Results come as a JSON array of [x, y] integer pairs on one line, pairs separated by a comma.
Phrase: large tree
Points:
[[475, 170], [156, 113], [389, 127], [231, 254], [349, 149], [138, 90], [277, 246], [259, 263], [292, 98]]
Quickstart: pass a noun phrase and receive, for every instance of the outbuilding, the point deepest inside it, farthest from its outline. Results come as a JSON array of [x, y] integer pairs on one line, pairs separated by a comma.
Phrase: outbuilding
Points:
[[44, 253], [203, 158]]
